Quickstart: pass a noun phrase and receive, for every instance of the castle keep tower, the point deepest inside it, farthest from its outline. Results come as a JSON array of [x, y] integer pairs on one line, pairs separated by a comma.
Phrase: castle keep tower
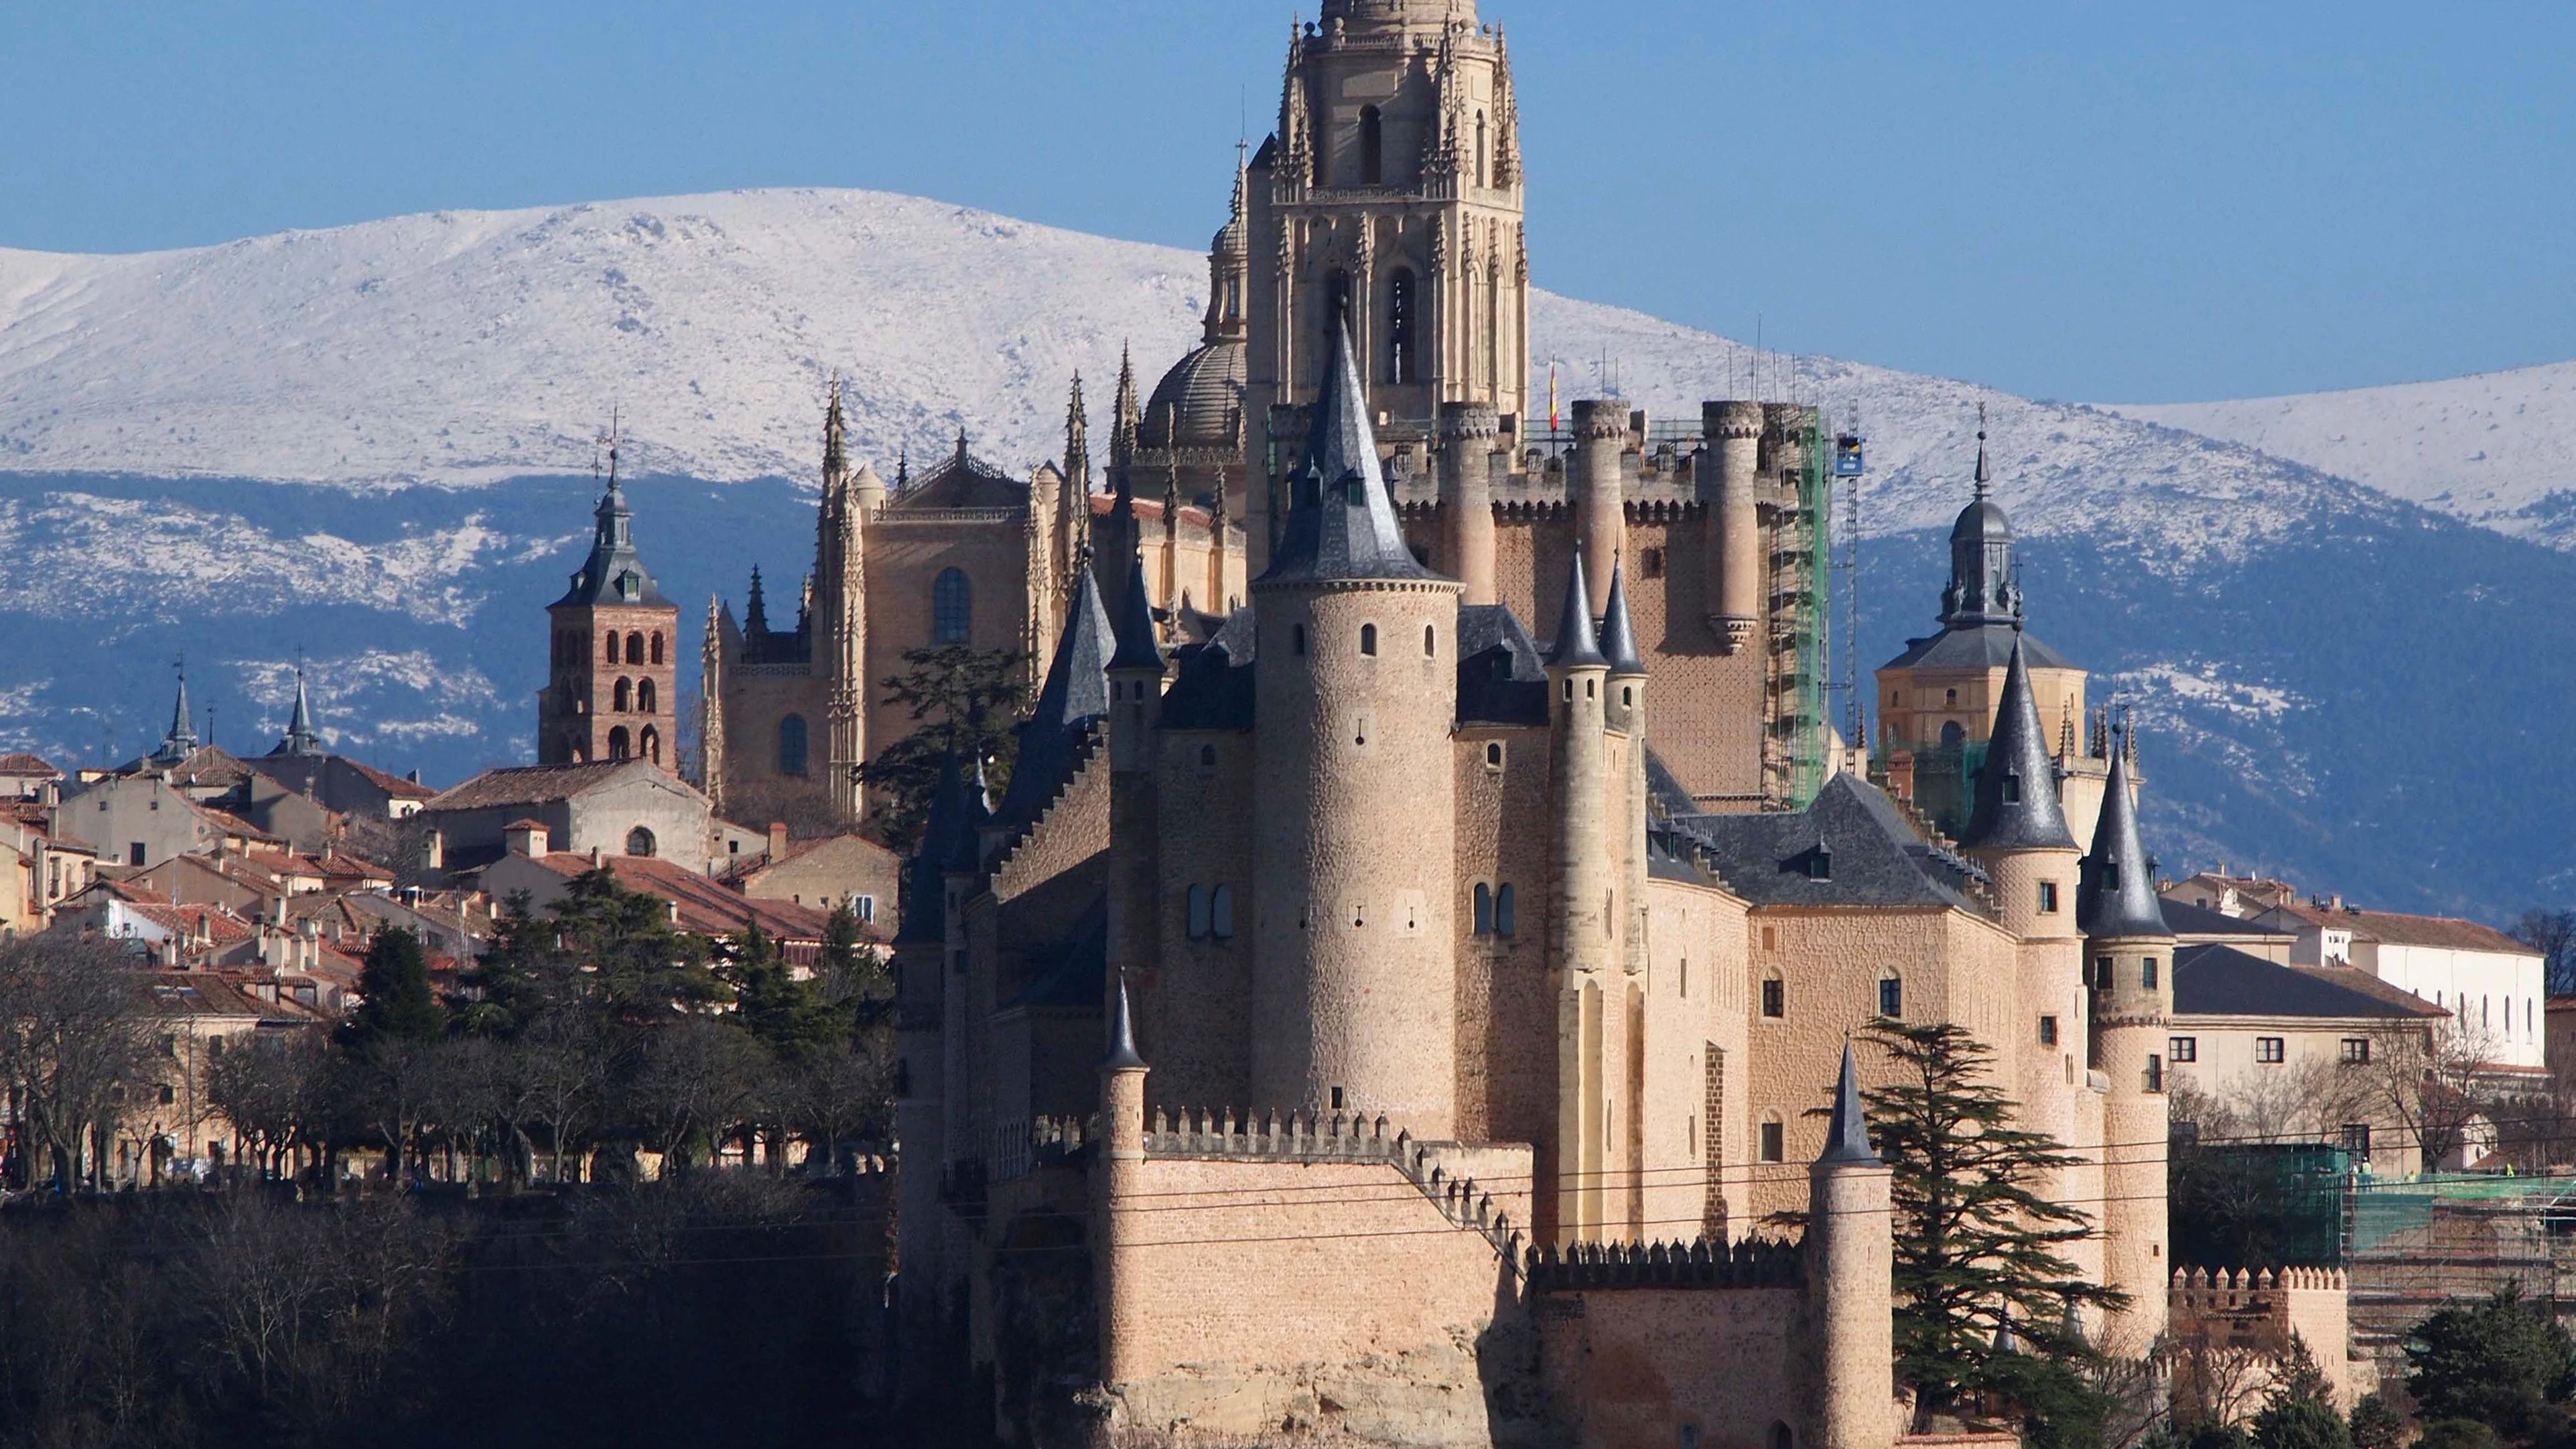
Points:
[[2130, 955], [614, 657], [1352, 800], [1392, 195]]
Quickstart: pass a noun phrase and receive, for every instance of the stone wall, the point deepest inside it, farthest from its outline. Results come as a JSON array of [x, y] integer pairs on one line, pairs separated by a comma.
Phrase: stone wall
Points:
[[2230, 1330]]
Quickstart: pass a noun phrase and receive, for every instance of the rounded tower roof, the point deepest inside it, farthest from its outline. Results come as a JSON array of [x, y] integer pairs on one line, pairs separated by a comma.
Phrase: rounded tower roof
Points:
[[1364, 14], [1982, 521], [1199, 402]]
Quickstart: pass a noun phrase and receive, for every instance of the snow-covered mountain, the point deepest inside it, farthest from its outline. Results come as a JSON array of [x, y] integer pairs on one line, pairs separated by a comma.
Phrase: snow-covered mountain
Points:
[[373, 443], [2497, 448]]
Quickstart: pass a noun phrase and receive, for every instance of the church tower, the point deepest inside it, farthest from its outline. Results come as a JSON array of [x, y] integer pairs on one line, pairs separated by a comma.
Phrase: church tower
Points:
[[1391, 195], [609, 692]]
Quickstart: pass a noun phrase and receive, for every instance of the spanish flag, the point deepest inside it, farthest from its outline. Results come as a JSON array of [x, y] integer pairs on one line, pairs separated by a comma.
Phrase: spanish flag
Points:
[[1553, 423]]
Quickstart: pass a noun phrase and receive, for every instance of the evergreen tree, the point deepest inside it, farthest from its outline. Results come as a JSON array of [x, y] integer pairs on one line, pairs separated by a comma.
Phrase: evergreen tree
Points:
[[963, 702], [2300, 1413], [790, 1017], [2496, 1361], [2374, 1425], [395, 1000], [1975, 1242]]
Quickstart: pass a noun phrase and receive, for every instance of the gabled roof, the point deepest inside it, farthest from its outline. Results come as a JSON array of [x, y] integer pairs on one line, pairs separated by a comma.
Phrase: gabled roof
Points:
[[2218, 980], [1872, 855], [961, 480], [706, 907], [19, 762], [2390, 928], [2185, 919], [1501, 677], [1213, 689], [524, 785]]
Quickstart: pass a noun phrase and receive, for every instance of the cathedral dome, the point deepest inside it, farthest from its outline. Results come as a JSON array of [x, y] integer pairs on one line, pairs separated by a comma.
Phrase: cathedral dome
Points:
[[1360, 14], [1982, 522], [1197, 403]]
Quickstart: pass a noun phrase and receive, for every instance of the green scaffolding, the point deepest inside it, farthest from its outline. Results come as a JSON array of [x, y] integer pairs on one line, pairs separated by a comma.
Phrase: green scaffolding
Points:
[[1802, 583]]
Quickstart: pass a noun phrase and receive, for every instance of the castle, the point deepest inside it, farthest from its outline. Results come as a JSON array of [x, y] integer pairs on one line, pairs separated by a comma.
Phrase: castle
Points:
[[1362, 1014]]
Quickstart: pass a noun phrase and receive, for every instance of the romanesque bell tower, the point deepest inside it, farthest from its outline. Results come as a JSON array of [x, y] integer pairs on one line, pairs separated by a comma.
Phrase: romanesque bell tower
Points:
[[610, 690], [1391, 194]]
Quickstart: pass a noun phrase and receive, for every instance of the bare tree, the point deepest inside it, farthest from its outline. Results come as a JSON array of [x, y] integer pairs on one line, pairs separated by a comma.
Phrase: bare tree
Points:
[[836, 1097], [274, 1091], [78, 1021], [564, 1064], [2425, 1080], [697, 1077]]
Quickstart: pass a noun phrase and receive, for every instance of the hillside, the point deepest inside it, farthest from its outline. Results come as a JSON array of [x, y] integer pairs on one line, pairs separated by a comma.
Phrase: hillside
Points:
[[2497, 449], [373, 444]]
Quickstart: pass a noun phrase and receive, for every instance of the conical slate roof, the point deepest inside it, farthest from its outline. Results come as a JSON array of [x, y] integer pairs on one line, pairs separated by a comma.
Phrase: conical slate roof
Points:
[[1618, 631], [947, 844], [301, 737], [1076, 694], [1576, 645], [2017, 806], [2115, 892], [1847, 1133], [1137, 646], [614, 573], [181, 741], [1122, 1034], [1341, 522]]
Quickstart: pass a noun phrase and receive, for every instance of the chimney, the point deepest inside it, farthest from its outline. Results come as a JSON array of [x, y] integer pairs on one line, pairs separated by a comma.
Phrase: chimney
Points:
[[594, 857], [527, 837], [674, 908], [777, 841], [413, 776]]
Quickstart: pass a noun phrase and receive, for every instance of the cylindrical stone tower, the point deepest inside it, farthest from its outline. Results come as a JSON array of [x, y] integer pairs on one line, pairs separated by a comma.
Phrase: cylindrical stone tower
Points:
[[1581, 937], [1592, 479], [1467, 433], [2129, 954], [1734, 520], [1354, 956], [1850, 1250]]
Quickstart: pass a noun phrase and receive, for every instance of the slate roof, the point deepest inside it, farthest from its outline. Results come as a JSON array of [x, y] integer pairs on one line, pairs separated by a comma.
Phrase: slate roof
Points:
[[1875, 858], [1576, 646], [614, 574], [1501, 678], [948, 842], [2216, 980], [1618, 631], [961, 480], [1075, 697], [1977, 646], [1341, 522], [1137, 648], [2016, 805], [2115, 890], [1214, 688]]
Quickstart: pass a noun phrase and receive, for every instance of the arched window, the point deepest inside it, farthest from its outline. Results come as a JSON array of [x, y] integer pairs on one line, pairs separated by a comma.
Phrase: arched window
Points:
[[791, 745], [952, 607], [1494, 755], [657, 646], [613, 655], [1198, 897], [1483, 172], [1506, 919], [1781, 1438], [576, 750], [639, 841], [1207, 757], [1368, 639], [652, 742], [1951, 735], [1221, 913], [1296, 638], [644, 697], [1400, 308], [635, 648], [1431, 641], [1372, 147], [617, 745], [625, 695], [1484, 909]]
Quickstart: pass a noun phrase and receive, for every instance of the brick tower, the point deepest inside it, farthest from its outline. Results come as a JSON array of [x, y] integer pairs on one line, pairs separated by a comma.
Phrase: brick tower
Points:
[[609, 693]]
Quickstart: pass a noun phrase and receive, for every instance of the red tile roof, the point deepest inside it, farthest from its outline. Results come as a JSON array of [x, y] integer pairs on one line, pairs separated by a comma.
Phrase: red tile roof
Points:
[[706, 906]]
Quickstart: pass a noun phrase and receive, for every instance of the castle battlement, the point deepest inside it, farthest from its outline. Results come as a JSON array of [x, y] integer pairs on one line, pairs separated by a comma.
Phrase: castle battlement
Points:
[[1585, 1267]]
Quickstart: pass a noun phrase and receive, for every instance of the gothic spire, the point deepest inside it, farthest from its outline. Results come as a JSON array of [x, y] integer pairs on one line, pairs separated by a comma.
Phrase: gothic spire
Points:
[[1618, 631], [756, 613], [181, 740], [1077, 444], [1125, 417], [301, 738], [2017, 806], [1984, 477], [835, 456], [1576, 646], [1847, 1131], [2115, 892]]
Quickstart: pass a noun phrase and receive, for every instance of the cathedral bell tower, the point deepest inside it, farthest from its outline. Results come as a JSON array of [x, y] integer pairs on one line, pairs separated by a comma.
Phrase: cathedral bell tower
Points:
[[614, 659], [1391, 193]]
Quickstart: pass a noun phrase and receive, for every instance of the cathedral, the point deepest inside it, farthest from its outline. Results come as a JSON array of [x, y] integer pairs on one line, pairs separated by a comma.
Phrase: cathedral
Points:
[[1414, 960]]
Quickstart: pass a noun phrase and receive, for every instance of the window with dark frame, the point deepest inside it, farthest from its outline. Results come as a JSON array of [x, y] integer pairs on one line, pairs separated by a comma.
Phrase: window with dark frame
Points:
[[2269, 1049]]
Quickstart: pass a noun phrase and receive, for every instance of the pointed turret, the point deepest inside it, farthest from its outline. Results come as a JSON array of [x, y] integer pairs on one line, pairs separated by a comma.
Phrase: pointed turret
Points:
[[1126, 414], [614, 574], [1576, 645], [301, 737], [1138, 647], [1074, 698], [2115, 896], [1122, 1033], [180, 741], [1077, 444], [756, 613], [947, 846], [2017, 806], [1341, 522], [1618, 631], [1847, 1132], [836, 460]]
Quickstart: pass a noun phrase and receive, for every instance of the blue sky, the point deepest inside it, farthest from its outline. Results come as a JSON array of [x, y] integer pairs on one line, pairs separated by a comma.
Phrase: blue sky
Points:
[[2080, 200]]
